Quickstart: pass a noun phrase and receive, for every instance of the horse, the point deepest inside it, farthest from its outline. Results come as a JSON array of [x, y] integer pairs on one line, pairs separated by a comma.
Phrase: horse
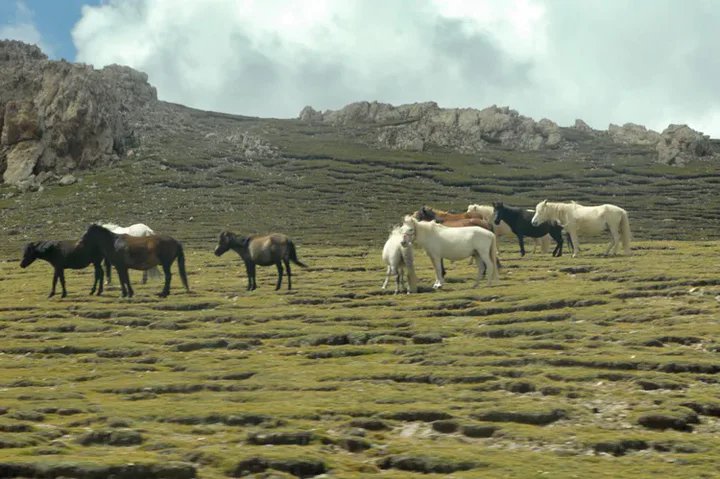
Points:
[[274, 248], [519, 220], [451, 220], [453, 243], [62, 255], [132, 252], [576, 218], [487, 213], [138, 229], [398, 258]]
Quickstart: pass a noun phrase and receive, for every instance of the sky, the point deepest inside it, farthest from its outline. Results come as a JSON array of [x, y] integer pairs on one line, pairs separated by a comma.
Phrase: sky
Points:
[[650, 62]]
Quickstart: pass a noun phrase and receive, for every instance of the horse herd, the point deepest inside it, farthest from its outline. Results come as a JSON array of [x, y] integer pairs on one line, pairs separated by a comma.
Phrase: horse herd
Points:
[[139, 247], [473, 234], [441, 234]]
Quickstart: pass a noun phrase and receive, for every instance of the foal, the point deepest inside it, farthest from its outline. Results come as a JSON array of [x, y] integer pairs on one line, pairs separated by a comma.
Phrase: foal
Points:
[[274, 248], [62, 255], [132, 252]]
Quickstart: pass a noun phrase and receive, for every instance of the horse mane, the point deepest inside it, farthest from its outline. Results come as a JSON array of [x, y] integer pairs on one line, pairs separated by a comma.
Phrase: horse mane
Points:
[[395, 230], [438, 211], [108, 226]]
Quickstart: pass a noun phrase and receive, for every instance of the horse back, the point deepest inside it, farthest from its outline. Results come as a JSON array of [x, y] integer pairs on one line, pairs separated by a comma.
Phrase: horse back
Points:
[[70, 254], [145, 252], [267, 249]]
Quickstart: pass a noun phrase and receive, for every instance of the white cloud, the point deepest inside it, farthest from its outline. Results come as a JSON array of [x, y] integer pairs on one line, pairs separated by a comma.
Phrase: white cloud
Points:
[[603, 61], [23, 28]]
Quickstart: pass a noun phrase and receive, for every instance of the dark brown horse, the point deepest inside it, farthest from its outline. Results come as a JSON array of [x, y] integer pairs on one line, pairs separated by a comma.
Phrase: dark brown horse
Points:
[[264, 250], [133, 252], [62, 255]]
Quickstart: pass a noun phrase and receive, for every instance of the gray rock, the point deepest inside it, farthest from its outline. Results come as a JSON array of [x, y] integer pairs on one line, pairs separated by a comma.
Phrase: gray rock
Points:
[[680, 144], [67, 180]]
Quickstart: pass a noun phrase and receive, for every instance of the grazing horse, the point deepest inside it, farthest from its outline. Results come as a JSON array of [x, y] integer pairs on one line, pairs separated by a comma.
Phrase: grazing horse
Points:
[[487, 213], [453, 243], [398, 258], [62, 255], [520, 220], [274, 248], [132, 252], [576, 219], [137, 229]]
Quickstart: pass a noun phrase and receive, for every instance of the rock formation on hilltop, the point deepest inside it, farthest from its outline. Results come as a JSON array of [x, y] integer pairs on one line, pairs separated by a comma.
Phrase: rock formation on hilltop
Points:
[[419, 125], [56, 117], [415, 126]]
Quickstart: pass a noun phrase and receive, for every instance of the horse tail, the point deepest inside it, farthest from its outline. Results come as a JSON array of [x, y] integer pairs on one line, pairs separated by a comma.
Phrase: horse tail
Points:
[[293, 254], [625, 234], [181, 266]]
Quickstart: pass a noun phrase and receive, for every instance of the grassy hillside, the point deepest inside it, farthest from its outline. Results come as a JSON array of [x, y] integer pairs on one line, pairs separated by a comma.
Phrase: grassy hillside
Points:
[[586, 367], [328, 187]]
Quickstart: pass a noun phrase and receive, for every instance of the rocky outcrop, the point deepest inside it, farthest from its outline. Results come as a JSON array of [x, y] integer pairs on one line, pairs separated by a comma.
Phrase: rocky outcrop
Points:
[[680, 143], [58, 117], [419, 125], [633, 134]]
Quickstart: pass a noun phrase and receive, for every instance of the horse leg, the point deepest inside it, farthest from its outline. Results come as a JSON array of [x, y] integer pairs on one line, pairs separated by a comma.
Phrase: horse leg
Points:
[[168, 274], [289, 273], [439, 279], [108, 270], [252, 277], [442, 267], [56, 275], [614, 241], [521, 240], [482, 269], [575, 243], [124, 278], [62, 283], [280, 274], [557, 236], [248, 270], [145, 275], [95, 278], [387, 277], [99, 277]]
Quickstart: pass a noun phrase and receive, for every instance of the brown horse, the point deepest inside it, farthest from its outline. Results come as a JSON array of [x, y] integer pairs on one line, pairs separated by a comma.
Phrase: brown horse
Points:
[[274, 248], [451, 219], [133, 252], [62, 255]]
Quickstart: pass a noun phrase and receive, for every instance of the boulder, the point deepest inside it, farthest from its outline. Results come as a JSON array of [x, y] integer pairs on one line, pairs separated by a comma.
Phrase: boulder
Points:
[[680, 143], [633, 134]]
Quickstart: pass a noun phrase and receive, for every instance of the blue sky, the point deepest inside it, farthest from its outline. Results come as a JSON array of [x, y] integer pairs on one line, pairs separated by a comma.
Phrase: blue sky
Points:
[[54, 20]]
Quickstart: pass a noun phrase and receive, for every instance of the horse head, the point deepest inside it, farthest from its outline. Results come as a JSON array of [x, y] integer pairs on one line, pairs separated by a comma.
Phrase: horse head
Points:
[[541, 213], [408, 231], [497, 211], [224, 241], [30, 254]]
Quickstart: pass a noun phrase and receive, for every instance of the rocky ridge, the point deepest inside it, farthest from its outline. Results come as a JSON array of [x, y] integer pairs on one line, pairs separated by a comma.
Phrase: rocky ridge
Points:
[[419, 125], [58, 117]]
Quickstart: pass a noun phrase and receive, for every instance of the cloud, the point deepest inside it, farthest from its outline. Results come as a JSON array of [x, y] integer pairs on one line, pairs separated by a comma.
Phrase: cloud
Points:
[[645, 62], [23, 28]]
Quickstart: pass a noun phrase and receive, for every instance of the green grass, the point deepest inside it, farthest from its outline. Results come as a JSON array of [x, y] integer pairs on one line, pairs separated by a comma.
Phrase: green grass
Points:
[[197, 374]]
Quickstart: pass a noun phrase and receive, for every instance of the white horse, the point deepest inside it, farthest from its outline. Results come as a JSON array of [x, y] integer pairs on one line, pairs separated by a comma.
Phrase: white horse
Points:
[[399, 258], [137, 229], [486, 212], [453, 243], [575, 218]]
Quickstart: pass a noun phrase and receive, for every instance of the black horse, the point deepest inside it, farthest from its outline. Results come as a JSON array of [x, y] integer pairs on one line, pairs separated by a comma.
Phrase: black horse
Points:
[[62, 255], [136, 252], [519, 220]]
